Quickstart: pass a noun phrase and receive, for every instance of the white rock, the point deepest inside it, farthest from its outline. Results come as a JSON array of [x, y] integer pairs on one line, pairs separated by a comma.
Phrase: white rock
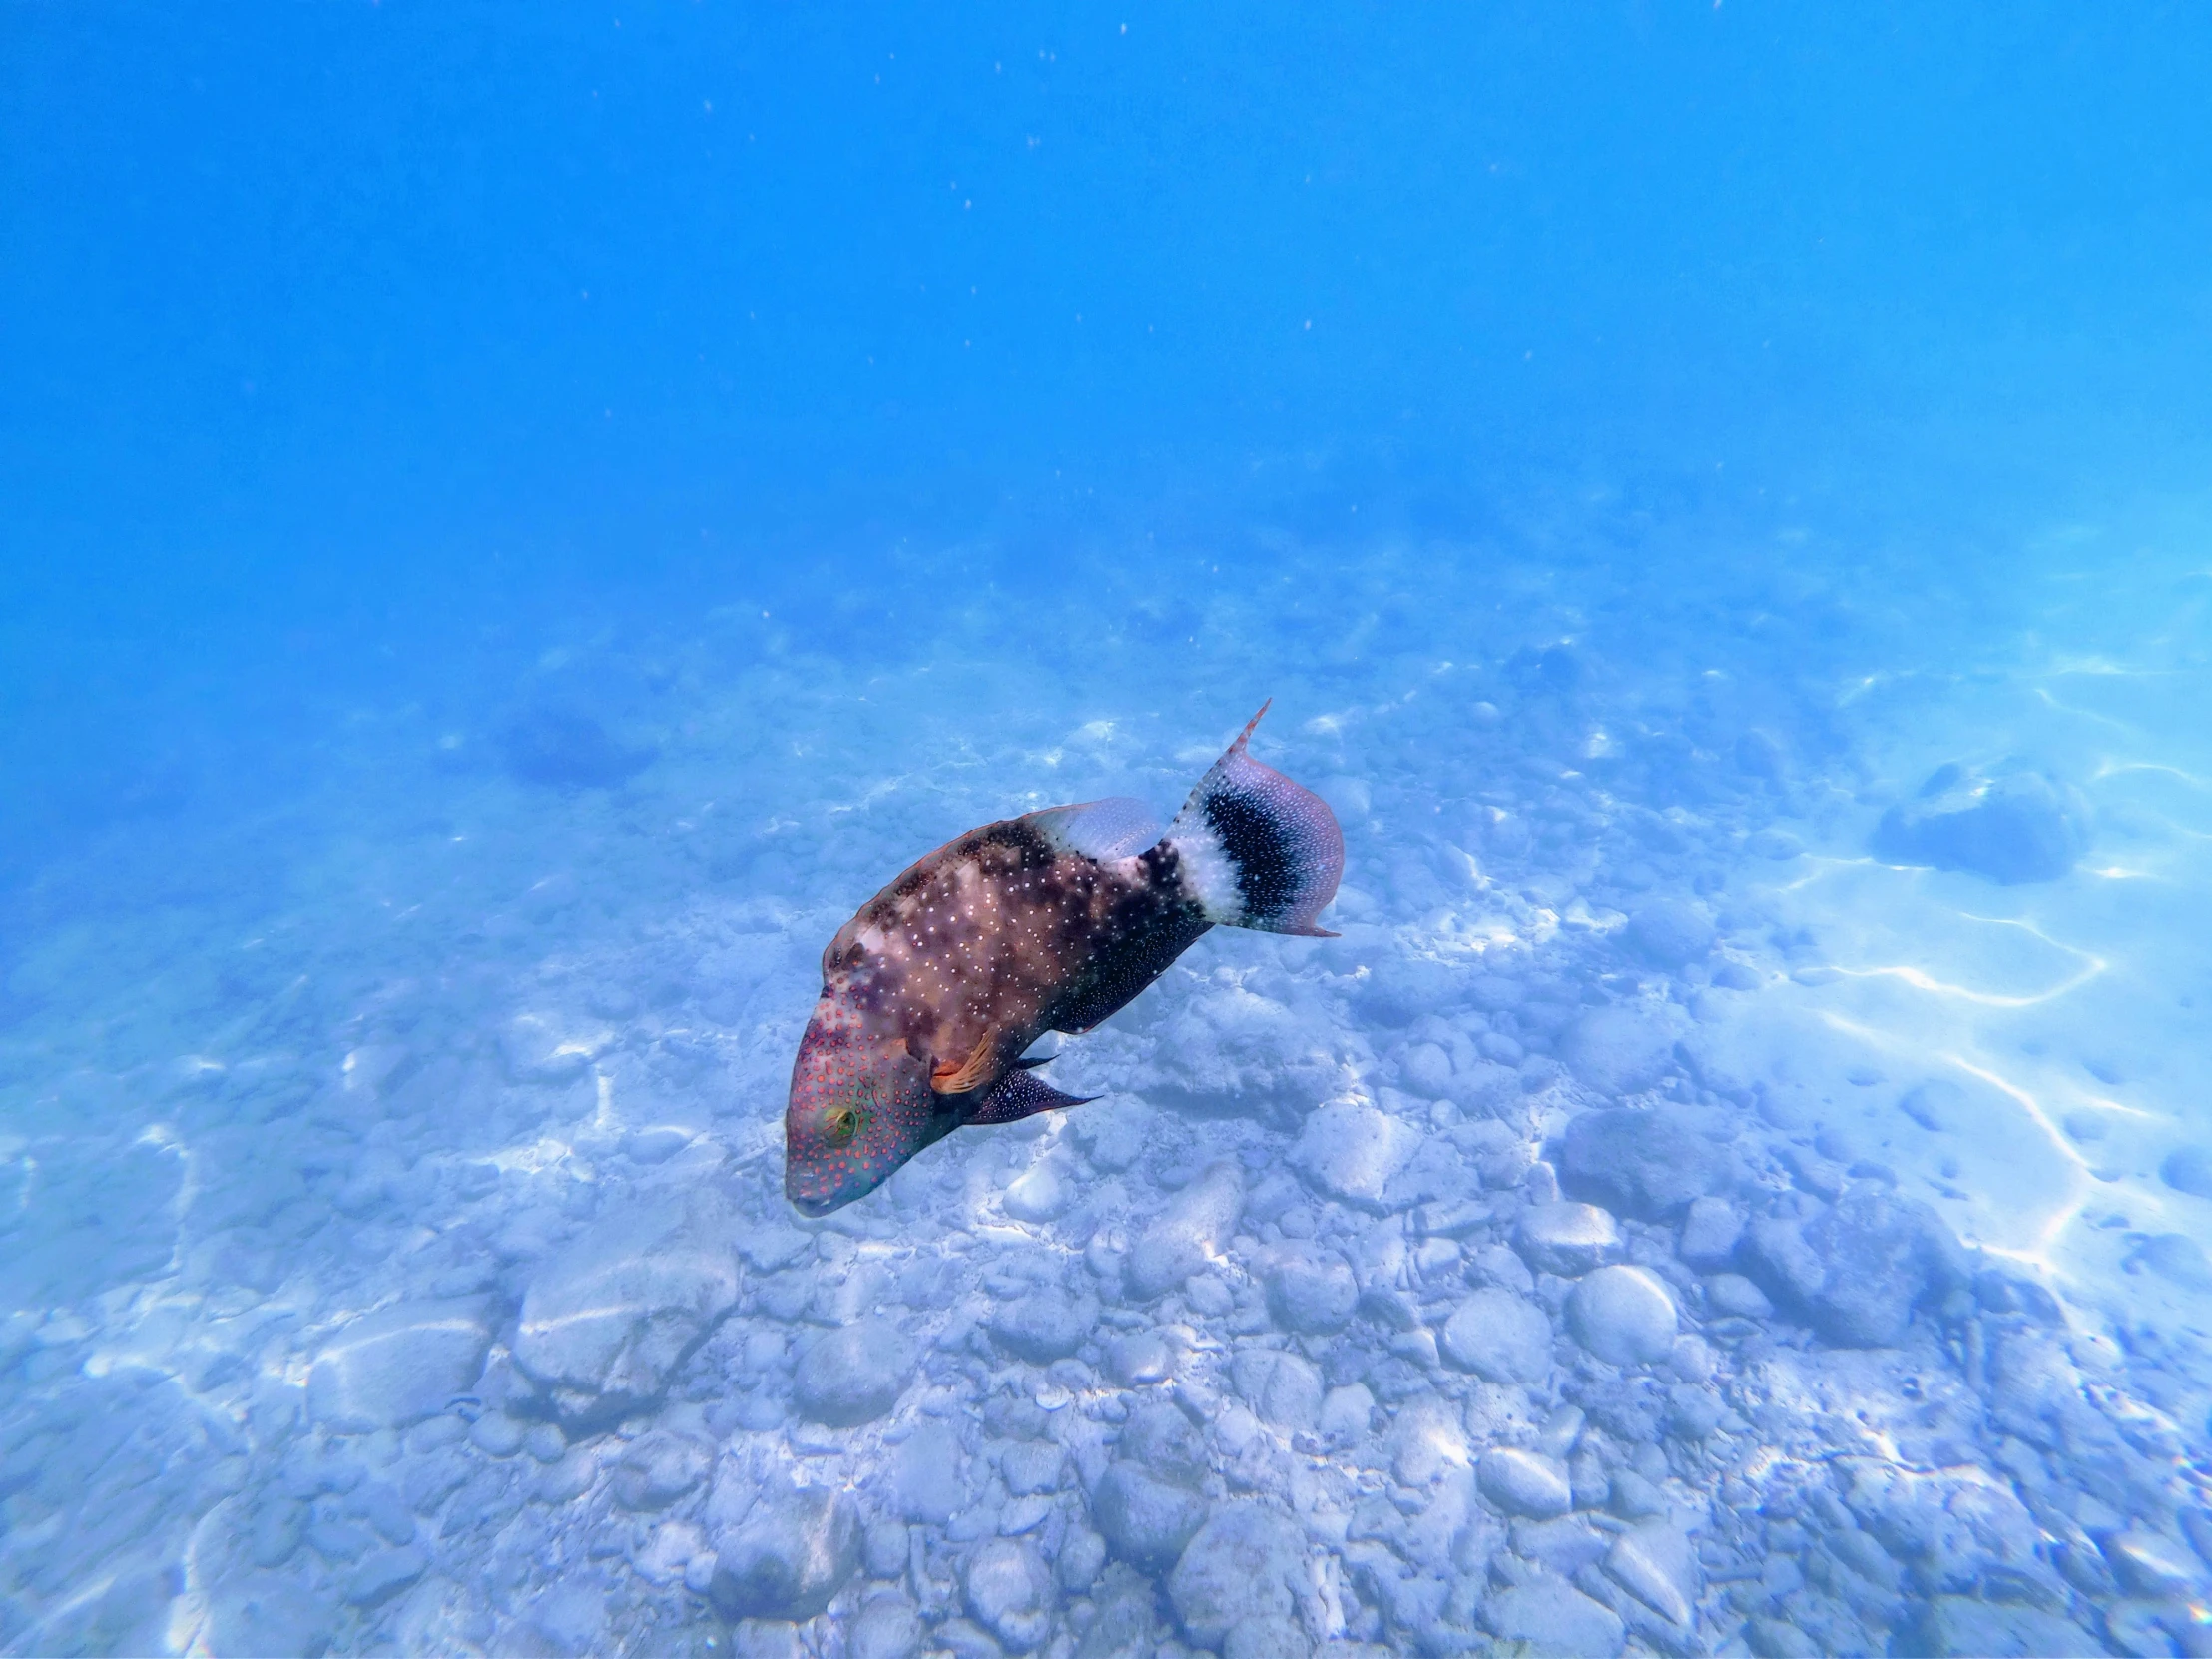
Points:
[[542, 1048], [1428, 1442], [1525, 1482], [1553, 1617], [853, 1375], [1499, 1337], [608, 1319], [1194, 1228], [1346, 1412], [1244, 1564], [1312, 1290], [1012, 1593], [1617, 1050], [1351, 1150], [669, 1551], [398, 1365], [1040, 1194], [792, 1553], [1624, 1314], [1567, 1239], [1283, 1389], [1655, 1565]]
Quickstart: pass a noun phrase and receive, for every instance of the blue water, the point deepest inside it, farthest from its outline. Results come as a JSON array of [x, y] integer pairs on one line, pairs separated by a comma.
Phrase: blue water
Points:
[[517, 523]]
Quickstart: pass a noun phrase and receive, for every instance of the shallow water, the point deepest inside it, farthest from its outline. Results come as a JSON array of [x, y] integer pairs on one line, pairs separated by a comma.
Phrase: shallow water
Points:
[[446, 736]]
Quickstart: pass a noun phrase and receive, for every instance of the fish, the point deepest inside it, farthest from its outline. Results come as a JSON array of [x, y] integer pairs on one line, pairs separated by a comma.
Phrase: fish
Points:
[[1056, 921]]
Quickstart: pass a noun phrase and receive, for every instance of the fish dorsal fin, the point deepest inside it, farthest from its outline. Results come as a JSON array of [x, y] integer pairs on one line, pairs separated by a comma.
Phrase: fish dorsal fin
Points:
[[960, 1075], [1255, 849], [1119, 827]]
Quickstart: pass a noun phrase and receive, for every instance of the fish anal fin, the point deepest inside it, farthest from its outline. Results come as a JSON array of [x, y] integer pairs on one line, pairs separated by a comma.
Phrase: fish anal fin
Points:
[[961, 1075], [1023, 1094]]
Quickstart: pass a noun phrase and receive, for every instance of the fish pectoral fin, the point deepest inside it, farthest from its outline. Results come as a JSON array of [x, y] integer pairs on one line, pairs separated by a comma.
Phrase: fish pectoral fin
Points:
[[1033, 1061], [1023, 1094], [960, 1076]]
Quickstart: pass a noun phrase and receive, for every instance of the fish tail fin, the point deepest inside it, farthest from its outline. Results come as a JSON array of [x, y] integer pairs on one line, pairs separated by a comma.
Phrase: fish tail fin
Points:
[[1255, 849]]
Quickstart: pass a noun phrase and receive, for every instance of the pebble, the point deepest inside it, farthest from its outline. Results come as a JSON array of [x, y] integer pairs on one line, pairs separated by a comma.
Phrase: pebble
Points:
[[1524, 1482], [1044, 1327], [1146, 1519], [1244, 1565], [1553, 1617], [1647, 1164], [1350, 1150], [853, 1375], [1624, 1314], [496, 1434], [605, 1320], [1732, 1292], [1138, 1358], [658, 1468], [384, 1574], [1012, 1593], [2151, 1564], [885, 1627], [1566, 1238], [1190, 1231], [399, 1364], [1859, 1267], [1617, 1051], [1346, 1412], [1500, 1337], [2016, 825], [794, 1551], [1937, 1105], [1670, 933], [1655, 1563], [1040, 1194], [2188, 1170], [1282, 1389], [1312, 1291]]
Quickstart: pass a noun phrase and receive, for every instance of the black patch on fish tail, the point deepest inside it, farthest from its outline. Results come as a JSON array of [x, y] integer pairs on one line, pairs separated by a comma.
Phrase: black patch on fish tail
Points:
[[1256, 849]]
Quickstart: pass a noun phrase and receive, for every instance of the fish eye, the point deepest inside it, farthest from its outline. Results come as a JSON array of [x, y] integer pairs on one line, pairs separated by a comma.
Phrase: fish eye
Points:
[[840, 1126]]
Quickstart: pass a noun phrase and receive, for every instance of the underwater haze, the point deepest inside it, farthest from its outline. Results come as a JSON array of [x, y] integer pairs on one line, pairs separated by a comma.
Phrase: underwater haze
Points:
[[518, 521]]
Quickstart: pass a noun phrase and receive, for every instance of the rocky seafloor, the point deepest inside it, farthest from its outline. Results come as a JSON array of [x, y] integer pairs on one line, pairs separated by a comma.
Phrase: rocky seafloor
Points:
[[1601, 1248]]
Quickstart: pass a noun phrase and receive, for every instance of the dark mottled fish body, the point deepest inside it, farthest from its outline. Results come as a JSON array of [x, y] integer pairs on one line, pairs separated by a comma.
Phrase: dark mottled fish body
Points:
[[1047, 922]]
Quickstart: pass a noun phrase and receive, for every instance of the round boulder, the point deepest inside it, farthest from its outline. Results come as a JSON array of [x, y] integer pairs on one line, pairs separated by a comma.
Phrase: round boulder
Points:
[[1617, 1051], [1044, 1327], [1567, 1239], [1647, 1164], [1624, 1314], [1243, 1566], [1523, 1482], [853, 1375], [1010, 1593], [794, 1551], [1146, 1519], [1312, 1291], [658, 1468], [1670, 933], [1499, 1337]]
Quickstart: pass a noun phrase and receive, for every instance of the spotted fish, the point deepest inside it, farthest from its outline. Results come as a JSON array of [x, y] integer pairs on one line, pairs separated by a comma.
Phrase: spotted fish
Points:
[[1050, 921]]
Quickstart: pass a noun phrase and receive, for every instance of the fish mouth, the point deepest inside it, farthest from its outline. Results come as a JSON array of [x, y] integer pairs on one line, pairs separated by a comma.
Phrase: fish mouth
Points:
[[813, 1204]]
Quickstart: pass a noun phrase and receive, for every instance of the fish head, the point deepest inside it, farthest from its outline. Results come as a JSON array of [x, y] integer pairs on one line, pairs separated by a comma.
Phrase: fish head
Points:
[[860, 1107]]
